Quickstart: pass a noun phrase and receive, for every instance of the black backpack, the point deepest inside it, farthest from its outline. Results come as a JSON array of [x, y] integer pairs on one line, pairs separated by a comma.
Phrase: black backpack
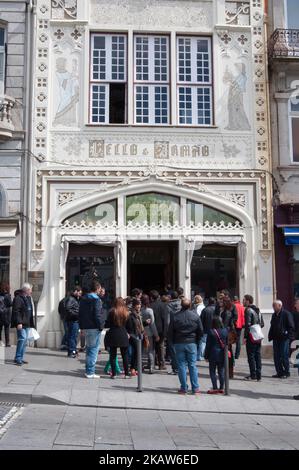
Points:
[[62, 309]]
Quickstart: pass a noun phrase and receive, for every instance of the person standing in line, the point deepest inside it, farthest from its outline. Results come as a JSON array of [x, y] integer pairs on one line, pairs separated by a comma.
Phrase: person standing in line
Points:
[[161, 314], [91, 320], [253, 316], [150, 330], [117, 336], [22, 319], [62, 314], [208, 314], [240, 323], [174, 306], [72, 318], [135, 330], [282, 333], [136, 294], [5, 311], [217, 339], [199, 306], [180, 292], [185, 330], [296, 318], [229, 318]]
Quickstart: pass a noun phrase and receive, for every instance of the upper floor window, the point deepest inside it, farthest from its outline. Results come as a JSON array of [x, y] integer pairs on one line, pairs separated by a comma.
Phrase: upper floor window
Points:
[[151, 88], [194, 81], [2, 59], [294, 116], [292, 14], [108, 78]]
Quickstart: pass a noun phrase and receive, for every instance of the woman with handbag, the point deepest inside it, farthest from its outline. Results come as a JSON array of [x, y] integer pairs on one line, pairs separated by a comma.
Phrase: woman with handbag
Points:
[[150, 332], [229, 318], [217, 339], [135, 331], [117, 336]]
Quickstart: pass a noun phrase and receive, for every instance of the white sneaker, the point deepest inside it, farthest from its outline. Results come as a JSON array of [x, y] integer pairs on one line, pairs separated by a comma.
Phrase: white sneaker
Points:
[[92, 376], [95, 376]]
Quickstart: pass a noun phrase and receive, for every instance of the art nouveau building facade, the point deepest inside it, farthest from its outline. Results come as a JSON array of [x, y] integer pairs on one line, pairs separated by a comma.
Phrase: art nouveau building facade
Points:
[[150, 136]]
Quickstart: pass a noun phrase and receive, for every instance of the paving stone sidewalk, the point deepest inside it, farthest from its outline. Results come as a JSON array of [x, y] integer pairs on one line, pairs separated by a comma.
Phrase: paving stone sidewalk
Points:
[[52, 378]]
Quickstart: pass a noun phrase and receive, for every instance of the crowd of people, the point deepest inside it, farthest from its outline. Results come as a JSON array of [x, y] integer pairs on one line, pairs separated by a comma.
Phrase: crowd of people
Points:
[[173, 329], [170, 327]]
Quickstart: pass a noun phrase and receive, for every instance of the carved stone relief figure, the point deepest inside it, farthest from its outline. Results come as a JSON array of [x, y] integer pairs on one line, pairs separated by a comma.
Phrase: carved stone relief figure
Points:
[[237, 118], [68, 82]]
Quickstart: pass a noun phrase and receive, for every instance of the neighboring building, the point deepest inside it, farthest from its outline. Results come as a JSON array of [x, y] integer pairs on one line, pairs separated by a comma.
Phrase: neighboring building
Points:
[[150, 136], [15, 18], [284, 93]]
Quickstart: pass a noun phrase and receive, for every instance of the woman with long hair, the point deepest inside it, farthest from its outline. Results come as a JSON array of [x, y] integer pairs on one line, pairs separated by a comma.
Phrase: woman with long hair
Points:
[[117, 336], [229, 317], [135, 330], [5, 311]]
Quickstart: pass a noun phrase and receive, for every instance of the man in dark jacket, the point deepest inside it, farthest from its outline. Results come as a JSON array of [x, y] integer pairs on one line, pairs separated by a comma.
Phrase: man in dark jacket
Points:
[[72, 318], [5, 311], [253, 317], [22, 320], [185, 331], [174, 306], [282, 333], [160, 310], [91, 320]]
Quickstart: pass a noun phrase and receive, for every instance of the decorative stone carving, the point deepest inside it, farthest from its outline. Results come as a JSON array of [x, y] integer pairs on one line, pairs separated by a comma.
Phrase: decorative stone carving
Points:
[[237, 118], [237, 13], [236, 198], [152, 13], [265, 255], [64, 9], [68, 82], [161, 150], [65, 198], [96, 148]]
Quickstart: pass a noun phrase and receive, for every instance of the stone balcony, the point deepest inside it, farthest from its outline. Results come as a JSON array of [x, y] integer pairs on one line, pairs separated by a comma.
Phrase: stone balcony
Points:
[[284, 44], [6, 124]]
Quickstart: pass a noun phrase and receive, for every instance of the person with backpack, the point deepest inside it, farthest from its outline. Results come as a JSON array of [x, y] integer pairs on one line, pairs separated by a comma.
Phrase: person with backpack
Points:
[[5, 311], [253, 316], [71, 306], [217, 339]]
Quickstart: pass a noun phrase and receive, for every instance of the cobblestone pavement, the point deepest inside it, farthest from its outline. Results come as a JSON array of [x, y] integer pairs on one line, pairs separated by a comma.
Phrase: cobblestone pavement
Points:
[[67, 411], [4, 409]]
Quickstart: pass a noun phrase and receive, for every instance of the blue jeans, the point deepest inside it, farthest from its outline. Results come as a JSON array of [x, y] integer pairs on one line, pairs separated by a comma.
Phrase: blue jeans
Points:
[[64, 339], [72, 337], [212, 369], [22, 337], [201, 347], [93, 339], [186, 357], [281, 356], [174, 364]]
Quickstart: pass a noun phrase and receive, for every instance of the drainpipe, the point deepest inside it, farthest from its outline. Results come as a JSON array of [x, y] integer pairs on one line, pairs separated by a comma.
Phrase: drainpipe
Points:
[[26, 163]]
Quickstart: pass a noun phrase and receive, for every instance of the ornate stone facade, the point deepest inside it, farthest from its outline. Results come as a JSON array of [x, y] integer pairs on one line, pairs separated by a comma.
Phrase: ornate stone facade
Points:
[[79, 165]]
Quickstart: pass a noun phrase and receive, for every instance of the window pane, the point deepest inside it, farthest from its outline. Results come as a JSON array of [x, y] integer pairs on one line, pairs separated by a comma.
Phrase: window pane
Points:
[[203, 61], [184, 49], [161, 59], [204, 106], [293, 14], [142, 104], [161, 105], [4, 264], [117, 97], [99, 104], [106, 212], [2, 36], [118, 58], [142, 58], [199, 214], [99, 58], [295, 132], [153, 208], [185, 105], [2, 71]]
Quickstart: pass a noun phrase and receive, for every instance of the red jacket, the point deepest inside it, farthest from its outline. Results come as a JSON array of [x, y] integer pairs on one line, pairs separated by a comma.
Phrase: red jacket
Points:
[[241, 315]]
